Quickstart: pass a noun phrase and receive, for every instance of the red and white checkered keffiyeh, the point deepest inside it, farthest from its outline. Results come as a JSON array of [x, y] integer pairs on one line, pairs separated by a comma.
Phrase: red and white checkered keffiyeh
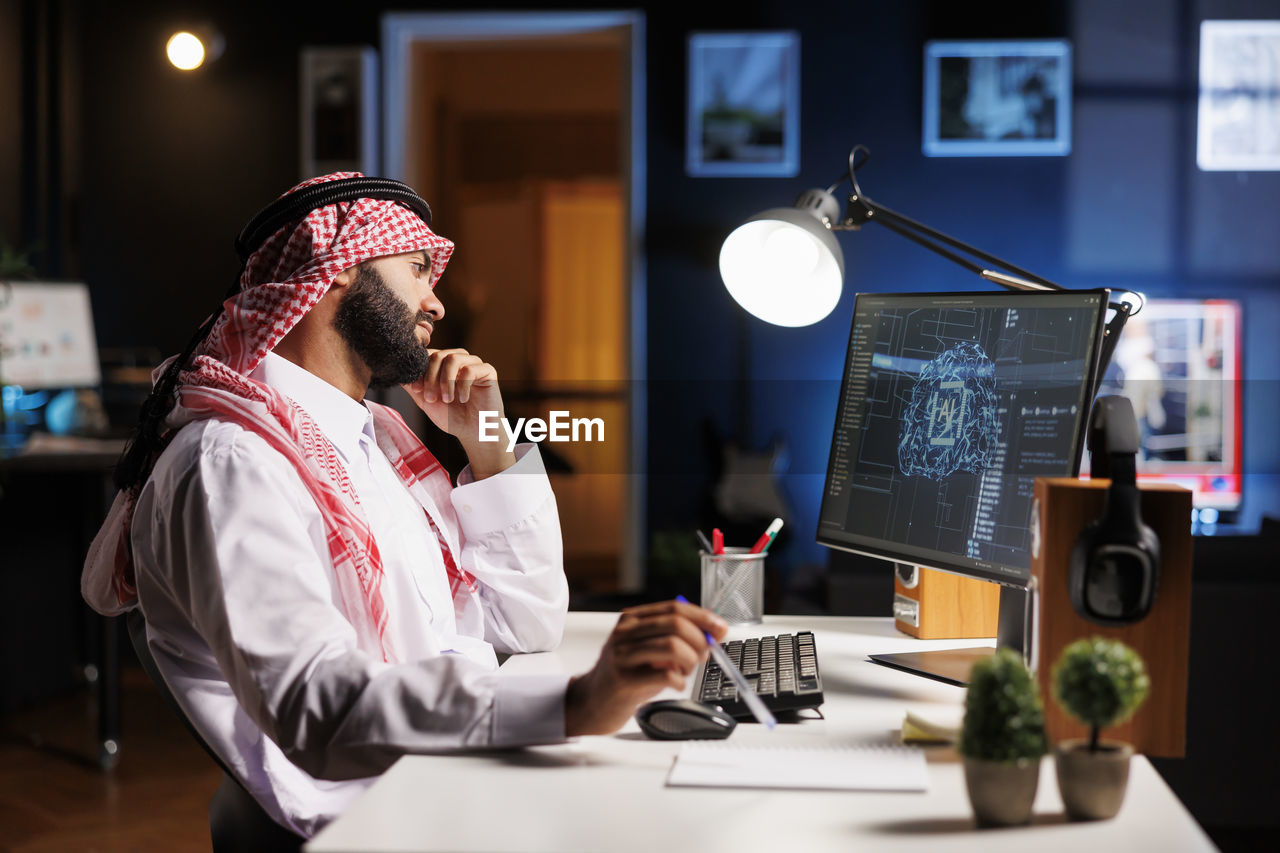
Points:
[[283, 280]]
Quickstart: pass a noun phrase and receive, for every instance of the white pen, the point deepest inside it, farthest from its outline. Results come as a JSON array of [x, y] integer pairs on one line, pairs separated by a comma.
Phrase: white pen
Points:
[[757, 707]]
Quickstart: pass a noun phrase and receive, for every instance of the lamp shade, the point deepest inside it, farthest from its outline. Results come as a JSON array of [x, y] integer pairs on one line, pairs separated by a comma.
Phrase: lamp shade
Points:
[[783, 266]]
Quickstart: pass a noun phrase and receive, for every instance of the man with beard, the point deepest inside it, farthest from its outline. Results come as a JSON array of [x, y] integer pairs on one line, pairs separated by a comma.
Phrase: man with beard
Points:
[[318, 596]]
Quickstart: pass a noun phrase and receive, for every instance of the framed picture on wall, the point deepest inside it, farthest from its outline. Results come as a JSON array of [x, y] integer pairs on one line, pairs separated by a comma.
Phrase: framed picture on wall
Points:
[[1238, 126], [338, 110], [744, 105], [997, 98]]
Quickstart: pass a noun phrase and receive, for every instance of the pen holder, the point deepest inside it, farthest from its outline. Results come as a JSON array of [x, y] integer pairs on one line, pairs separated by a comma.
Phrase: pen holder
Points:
[[733, 585]]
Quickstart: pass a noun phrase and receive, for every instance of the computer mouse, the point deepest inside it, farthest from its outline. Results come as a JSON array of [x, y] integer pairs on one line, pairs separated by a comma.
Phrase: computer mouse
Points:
[[683, 719]]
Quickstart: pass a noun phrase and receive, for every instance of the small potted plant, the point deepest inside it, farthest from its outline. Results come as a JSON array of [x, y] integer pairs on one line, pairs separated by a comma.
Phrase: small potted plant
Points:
[[1101, 683], [1002, 740]]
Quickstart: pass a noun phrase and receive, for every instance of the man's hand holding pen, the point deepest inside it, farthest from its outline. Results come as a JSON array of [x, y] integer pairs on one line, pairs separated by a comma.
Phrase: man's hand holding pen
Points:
[[652, 647]]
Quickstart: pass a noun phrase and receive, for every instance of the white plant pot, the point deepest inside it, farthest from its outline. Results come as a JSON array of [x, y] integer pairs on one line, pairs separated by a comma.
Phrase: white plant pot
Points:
[[1001, 793], [1092, 784]]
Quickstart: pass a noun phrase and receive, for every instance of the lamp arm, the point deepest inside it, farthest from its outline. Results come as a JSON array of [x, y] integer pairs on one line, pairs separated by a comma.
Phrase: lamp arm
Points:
[[923, 241], [862, 209], [920, 233]]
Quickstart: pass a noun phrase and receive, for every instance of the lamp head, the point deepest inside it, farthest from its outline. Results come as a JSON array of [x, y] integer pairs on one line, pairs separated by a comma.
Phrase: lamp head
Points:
[[784, 265]]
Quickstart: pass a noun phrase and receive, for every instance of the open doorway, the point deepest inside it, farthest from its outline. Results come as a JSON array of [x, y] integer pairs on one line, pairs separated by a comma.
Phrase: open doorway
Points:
[[526, 134]]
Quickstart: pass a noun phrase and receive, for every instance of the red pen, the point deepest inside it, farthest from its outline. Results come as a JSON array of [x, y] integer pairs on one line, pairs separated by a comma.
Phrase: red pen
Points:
[[767, 537], [717, 541]]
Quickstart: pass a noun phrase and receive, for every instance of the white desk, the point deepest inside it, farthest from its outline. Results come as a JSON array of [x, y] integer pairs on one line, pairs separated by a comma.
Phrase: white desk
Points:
[[607, 793]]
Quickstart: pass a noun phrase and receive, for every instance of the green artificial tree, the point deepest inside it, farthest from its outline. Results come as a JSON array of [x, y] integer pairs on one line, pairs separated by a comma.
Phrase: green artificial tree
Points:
[[1100, 682], [1003, 714]]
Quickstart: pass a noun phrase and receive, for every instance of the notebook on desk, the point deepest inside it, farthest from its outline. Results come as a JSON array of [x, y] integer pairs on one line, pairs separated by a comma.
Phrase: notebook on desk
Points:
[[724, 764]]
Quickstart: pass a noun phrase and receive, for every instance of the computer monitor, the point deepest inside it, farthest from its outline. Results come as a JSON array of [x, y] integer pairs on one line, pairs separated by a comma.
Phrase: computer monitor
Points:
[[1179, 362], [47, 350], [951, 404], [46, 335]]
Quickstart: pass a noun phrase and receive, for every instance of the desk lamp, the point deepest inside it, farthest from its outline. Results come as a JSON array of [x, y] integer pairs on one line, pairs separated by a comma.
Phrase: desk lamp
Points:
[[796, 245]]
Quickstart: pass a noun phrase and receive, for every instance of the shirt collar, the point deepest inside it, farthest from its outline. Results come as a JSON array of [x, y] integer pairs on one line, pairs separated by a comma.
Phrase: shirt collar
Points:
[[340, 418]]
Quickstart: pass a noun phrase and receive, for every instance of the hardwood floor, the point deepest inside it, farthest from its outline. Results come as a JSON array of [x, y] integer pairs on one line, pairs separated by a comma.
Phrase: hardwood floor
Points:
[[54, 797]]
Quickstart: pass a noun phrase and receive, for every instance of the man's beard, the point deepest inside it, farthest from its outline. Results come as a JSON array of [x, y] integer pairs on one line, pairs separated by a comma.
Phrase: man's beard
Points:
[[381, 329]]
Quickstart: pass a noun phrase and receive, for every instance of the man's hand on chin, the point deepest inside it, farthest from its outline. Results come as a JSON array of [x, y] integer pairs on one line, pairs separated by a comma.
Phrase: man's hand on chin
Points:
[[455, 389]]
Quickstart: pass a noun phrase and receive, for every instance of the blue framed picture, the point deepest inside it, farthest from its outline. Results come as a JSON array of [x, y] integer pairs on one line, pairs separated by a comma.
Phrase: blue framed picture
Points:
[[744, 105], [997, 98]]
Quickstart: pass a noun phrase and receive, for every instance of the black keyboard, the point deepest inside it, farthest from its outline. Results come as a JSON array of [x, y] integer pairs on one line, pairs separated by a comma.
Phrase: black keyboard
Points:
[[783, 670]]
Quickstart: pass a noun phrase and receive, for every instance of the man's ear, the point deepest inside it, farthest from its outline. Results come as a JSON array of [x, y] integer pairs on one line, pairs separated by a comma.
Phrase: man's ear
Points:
[[345, 277]]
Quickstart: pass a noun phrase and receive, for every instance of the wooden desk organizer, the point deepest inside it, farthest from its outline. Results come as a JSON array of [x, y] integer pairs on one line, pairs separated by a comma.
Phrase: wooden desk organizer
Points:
[[1063, 508]]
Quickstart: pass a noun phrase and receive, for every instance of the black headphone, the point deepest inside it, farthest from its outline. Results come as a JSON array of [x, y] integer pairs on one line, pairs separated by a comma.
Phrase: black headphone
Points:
[[139, 455], [1115, 564]]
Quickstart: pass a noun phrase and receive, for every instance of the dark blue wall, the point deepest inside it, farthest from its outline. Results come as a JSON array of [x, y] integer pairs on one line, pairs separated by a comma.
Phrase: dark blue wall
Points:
[[1127, 208]]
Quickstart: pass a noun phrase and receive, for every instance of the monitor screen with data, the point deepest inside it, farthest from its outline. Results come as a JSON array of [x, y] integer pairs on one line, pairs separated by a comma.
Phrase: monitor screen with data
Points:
[[951, 405], [46, 335]]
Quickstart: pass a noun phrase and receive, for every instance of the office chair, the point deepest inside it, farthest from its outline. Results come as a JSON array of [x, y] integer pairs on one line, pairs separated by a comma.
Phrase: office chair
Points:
[[236, 821]]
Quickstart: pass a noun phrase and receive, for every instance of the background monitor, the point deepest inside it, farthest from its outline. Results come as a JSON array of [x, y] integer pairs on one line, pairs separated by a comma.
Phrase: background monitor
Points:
[[951, 405], [1179, 362], [48, 359], [46, 336]]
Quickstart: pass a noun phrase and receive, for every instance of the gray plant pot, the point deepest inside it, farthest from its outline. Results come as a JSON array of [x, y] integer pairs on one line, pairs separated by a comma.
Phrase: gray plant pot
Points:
[[1002, 792], [1092, 784]]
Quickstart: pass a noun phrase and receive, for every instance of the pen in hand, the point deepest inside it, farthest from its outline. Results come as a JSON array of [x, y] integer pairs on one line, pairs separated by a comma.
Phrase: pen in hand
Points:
[[753, 702]]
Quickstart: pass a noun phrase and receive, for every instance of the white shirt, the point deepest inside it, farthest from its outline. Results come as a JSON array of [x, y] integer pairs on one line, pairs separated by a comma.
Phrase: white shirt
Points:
[[247, 627]]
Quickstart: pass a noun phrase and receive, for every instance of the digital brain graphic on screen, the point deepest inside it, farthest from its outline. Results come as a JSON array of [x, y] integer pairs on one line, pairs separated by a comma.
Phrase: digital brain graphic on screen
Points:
[[950, 421]]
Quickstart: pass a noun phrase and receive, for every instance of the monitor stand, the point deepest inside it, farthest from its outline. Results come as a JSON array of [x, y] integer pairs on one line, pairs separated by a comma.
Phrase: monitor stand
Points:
[[951, 666]]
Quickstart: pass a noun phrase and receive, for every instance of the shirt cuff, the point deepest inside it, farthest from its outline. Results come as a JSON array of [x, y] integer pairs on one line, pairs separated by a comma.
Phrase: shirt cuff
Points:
[[510, 496], [529, 709]]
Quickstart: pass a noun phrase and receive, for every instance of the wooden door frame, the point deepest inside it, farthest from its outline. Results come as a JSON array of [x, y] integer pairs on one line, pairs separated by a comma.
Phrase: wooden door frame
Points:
[[400, 31]]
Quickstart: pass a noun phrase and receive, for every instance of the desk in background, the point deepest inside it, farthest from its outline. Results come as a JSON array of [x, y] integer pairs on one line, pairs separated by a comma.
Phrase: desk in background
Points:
[[54, 495], [608, 794]]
